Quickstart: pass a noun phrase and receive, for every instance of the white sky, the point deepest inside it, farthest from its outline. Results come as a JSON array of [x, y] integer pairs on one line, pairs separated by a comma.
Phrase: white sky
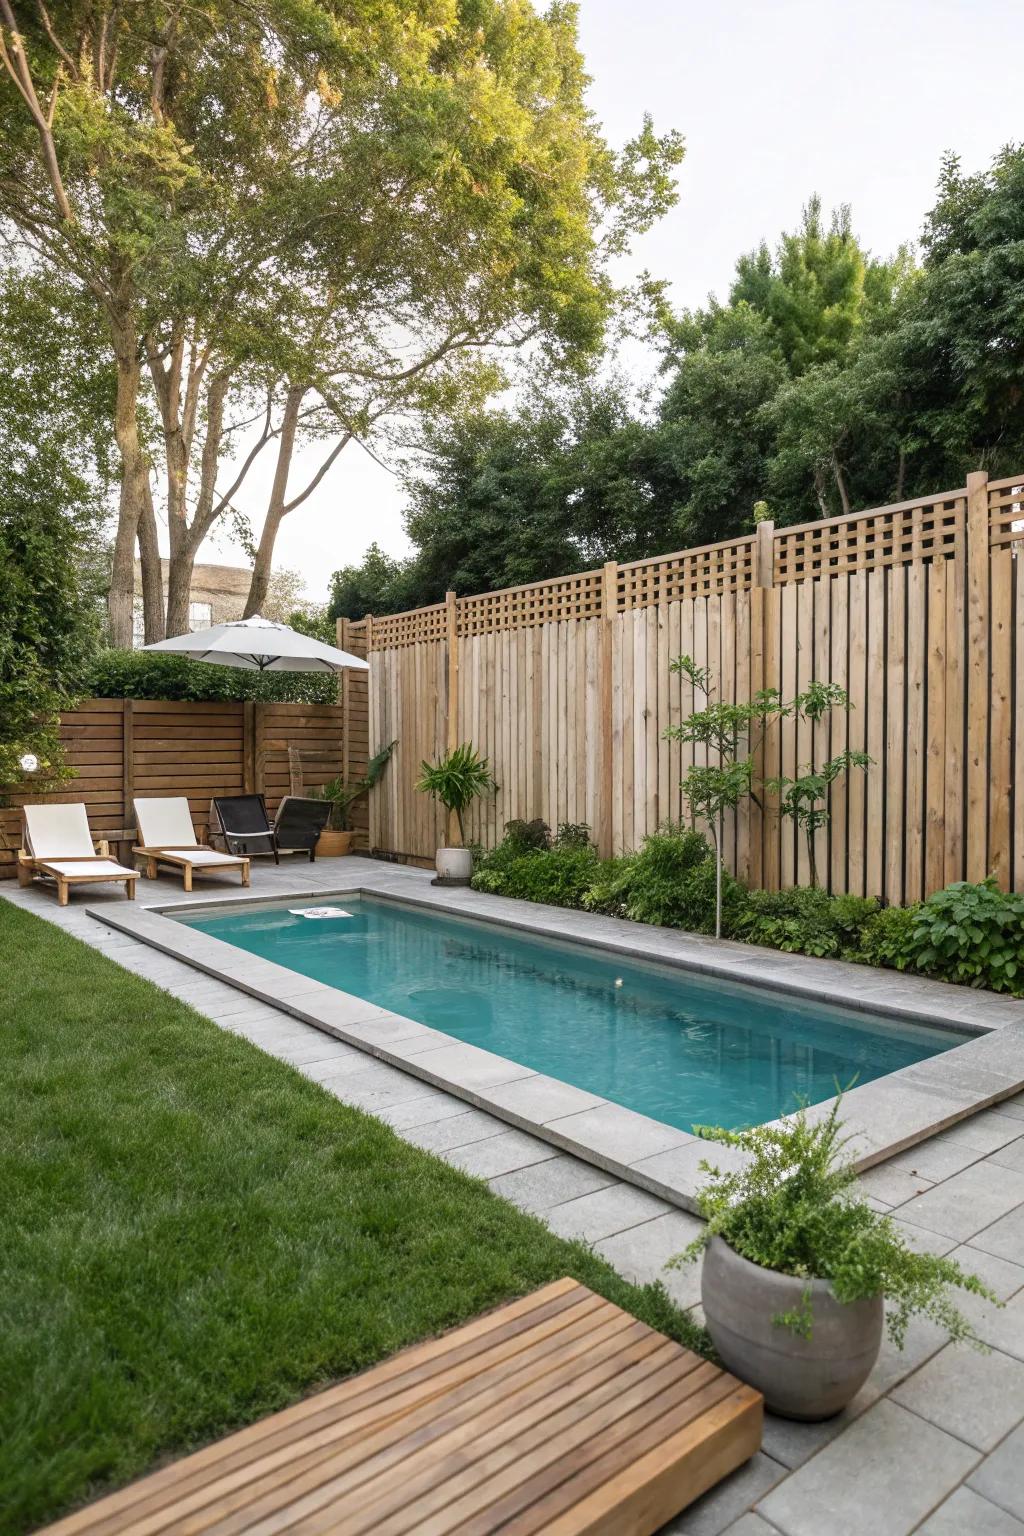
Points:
[[776, 101]]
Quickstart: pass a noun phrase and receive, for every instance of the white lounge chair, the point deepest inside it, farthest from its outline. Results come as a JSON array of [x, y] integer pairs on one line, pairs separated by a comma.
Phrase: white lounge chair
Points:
[[167, 836], [57, 843]]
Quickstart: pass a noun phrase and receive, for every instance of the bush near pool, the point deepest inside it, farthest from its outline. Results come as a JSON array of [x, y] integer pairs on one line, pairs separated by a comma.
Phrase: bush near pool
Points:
[[971, 934]]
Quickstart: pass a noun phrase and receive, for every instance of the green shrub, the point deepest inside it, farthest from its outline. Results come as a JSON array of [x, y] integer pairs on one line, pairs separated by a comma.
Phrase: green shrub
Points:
[[559, 875], [887, 937], [972, 934], [116, 674], [669, 881], [806, 921], [525, 836], [792, 1207]]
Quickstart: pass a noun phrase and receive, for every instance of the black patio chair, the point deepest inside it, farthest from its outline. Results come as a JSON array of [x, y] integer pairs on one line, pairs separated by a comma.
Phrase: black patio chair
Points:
[[247, 829], [243, 824], [299, 822]]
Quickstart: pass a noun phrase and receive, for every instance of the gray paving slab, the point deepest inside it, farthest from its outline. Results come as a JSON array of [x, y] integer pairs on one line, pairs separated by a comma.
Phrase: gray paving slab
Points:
[[1000, 1478], [540, 1098], [751, 1524], [464, 1066], [935, 1159], [920, 1239], [882, 1477], [425, 1107], [977, 1397], [893, 1186], [971, 1200], [719, 1510], [454, 1130], [605, 1212], [1005, 1237], [542, 1185], [1000, 1327], [678, 1172], [500, 1154], [1010, 1156], [984, 1132], [615, 1135], [1000, 1275], [966, 1513], [641, 1253]]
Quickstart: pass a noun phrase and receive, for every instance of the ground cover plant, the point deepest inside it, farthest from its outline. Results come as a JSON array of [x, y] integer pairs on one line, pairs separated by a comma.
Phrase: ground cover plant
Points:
[[969, 934], [195, 1234]]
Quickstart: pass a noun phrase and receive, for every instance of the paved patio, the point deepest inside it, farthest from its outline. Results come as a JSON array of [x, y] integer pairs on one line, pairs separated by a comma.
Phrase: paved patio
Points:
[[935, 1441]]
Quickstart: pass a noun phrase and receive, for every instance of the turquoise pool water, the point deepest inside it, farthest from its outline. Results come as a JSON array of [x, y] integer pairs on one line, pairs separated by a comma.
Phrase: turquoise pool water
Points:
[[682, 1048]]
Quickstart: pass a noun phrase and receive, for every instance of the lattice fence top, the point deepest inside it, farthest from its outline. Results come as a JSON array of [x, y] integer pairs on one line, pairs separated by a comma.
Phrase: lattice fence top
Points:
[[1006, 511], [924, 530], [915, 530], [727, 567], [561, 597], [396, 629]]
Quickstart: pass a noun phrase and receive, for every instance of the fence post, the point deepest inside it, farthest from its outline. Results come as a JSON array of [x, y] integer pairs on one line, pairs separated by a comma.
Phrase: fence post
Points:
[[978, 569], [764, 554], [128, 764], [609, 610], [452, 703], [341, 632], [249, 746]]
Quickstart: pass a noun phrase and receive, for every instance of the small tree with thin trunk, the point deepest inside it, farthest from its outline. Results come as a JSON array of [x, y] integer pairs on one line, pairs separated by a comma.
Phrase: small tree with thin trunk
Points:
[[722, 730], [805, 798]]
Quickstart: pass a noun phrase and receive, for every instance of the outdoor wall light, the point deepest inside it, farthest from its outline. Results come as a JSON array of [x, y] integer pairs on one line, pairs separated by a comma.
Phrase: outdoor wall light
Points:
[[28, 763]]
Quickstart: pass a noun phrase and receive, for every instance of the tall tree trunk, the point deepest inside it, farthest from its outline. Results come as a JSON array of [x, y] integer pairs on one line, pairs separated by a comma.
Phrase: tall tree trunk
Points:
[[840, 479], [152, 572], [135, 503], [264, 563]]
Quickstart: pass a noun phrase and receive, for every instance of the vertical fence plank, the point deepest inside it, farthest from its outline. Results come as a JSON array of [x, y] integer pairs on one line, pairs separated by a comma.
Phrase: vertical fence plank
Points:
[[977, 675], [874, 870], [895, 734], [915, 745], [1000, 717]]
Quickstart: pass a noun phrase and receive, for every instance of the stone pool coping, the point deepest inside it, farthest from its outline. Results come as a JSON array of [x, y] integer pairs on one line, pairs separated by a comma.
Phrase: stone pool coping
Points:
[[881, 1118]]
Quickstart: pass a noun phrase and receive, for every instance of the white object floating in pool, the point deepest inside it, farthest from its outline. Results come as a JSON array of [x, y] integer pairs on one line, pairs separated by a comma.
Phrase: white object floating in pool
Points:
[[618, 981], [318, 912]]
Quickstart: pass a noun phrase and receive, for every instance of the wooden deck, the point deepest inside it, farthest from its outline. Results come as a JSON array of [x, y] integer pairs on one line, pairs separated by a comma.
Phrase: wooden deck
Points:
[[559, 1414]]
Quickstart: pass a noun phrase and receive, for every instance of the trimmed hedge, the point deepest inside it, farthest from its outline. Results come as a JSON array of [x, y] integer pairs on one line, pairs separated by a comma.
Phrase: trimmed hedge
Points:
[[116, 674]]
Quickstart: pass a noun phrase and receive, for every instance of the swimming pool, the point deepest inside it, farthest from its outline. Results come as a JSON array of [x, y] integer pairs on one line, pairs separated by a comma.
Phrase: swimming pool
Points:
[[681, 1048]]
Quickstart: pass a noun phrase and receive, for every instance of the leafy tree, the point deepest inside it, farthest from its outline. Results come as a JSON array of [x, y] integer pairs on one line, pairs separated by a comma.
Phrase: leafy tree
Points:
[[322, 221], [561, 482], [55, 470], [721, 730]]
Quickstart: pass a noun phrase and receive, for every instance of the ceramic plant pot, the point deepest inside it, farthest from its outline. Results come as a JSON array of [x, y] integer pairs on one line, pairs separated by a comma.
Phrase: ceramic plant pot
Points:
[[333, 845], [454, 866], [801, 1378]]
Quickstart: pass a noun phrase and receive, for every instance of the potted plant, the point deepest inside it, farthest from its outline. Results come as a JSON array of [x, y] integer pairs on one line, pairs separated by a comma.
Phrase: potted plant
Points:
[[798, 1268], [456, 780], [336, 839]]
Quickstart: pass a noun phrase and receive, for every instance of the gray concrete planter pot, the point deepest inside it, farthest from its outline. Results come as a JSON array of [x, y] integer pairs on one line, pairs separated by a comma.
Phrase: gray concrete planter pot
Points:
[[800, 1378], [454, 866]]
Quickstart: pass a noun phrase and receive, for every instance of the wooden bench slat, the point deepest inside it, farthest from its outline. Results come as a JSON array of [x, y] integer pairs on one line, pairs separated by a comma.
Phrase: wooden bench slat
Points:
[[556, 1415]]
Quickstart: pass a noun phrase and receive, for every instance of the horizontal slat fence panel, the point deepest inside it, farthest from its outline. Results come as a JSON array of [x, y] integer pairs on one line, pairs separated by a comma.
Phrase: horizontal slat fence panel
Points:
[[121, 749], [916, 610]]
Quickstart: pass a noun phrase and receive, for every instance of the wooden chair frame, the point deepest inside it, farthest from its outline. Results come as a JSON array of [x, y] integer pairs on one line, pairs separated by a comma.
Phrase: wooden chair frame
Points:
[[178, 859], [29, 866]]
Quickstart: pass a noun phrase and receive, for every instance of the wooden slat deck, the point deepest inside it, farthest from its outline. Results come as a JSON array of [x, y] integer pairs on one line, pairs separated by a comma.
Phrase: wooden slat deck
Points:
[[558, 1413]]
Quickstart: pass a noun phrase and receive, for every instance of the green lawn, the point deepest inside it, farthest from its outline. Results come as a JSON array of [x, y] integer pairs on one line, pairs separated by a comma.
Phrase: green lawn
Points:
[[194, 1235]]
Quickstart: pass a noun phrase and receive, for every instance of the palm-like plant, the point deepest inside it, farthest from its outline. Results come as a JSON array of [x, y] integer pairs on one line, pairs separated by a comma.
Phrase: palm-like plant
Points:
[[456, 780]]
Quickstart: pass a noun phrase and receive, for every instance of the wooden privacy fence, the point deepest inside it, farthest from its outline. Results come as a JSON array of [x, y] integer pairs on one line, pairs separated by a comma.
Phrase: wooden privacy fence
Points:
[[915, 609], [122, 748]]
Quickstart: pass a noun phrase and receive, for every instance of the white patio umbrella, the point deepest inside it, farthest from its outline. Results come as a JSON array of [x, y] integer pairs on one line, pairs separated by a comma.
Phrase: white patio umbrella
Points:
[[258, 645]]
